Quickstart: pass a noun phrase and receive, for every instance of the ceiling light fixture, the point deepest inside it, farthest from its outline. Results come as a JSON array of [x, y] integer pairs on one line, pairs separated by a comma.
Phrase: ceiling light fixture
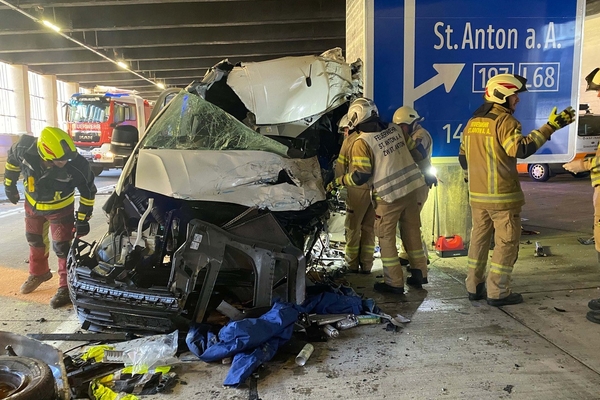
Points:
[[98, 53], [160, 85], [51, 25]]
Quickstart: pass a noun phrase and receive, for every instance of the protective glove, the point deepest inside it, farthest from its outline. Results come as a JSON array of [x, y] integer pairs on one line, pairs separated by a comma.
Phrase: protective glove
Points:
[[575, 166], [563, 119], [12, 193], [334, 184], [82, 228], [431, 180], [466, 175]]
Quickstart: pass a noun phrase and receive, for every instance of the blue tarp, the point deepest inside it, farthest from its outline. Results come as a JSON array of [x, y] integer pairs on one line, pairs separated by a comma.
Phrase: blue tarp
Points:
[[253, 341]]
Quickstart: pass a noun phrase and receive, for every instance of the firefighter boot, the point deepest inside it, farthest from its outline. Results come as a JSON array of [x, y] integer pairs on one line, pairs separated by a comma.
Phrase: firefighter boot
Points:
[[480, 292], [61, 298], [33, 281], [416, 279], [513, 298], [385, 288], [593, 316], [594, 304]]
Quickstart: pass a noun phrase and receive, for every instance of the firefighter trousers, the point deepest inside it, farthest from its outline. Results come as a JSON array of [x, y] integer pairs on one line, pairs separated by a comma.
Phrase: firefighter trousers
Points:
[[60, 223], [506, 227], [597, 219], [422, 195], [387, 215], [359, 224]]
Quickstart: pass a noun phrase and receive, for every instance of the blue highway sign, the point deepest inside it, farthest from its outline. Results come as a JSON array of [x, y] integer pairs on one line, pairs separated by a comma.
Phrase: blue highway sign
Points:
[[437, 55]]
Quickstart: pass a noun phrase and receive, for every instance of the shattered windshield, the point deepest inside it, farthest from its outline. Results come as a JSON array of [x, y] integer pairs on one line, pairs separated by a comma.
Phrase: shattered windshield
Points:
[[192, 123], [88, 111]]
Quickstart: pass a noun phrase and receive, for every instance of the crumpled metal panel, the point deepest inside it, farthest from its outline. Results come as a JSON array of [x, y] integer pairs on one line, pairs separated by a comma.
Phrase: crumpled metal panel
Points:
[[292, 88], [207, 246], [240, 177]]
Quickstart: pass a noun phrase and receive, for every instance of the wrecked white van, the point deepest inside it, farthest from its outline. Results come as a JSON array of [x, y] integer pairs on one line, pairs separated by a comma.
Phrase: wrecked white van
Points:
[[222, 198]]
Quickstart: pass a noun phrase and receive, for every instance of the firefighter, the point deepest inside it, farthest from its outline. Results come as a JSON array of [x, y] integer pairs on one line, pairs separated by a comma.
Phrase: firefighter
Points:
[[491, 143], [52, 170], [592, 164], [388, 157], [360, 214], [409, 120]]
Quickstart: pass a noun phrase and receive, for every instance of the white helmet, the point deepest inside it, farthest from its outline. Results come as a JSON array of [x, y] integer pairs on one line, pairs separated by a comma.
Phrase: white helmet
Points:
[[360, 110], [406, 115], [343, 123], [593, 80], [499, 87]]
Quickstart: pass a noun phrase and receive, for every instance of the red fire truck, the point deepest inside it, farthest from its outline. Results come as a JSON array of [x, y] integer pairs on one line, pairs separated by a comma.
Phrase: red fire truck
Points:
[[92, 117]]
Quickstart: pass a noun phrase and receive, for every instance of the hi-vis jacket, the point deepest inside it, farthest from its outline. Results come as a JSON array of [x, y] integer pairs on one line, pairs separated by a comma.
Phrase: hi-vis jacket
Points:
[[49, 190], [390, 158], [421, 135], [491, 145], [592, 164], [343, 165]]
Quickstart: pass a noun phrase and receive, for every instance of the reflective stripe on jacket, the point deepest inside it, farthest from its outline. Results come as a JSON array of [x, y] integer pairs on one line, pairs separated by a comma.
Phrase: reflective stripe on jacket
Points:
[[490, 145], [343, 164], [50, 189], [593, 165]]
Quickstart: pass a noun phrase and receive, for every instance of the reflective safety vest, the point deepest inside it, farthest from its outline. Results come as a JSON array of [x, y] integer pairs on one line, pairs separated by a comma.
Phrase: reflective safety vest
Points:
[[395, 173]]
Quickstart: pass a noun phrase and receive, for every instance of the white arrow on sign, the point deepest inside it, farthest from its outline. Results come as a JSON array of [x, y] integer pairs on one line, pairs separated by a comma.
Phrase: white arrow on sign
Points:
[[447, 74]]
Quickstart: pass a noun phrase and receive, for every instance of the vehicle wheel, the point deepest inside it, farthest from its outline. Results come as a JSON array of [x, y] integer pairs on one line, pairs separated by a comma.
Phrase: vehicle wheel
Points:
[[539, 172], [97, 170], [580, 174], [23, 378]]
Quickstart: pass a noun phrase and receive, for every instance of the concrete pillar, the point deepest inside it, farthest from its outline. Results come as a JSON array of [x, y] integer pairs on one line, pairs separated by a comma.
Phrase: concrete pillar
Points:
[[50, 93], [359, 21], [452, 214], [67, 89], [19, 81], [590, 60]]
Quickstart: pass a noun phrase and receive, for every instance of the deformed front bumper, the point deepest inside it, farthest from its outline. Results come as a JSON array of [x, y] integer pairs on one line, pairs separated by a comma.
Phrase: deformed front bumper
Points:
[[255, 254]]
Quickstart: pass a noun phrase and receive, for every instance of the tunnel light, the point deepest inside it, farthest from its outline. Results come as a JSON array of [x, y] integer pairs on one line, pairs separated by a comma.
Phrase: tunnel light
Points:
[[122, 65], [160, 85], [51, 26]]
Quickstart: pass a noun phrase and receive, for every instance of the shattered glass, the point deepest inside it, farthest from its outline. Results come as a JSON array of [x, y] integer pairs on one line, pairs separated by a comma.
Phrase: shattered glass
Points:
[[192, 123]]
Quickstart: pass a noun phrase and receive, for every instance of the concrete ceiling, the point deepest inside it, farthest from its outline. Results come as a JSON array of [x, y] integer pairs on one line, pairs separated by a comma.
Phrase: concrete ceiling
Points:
[[171, 41]]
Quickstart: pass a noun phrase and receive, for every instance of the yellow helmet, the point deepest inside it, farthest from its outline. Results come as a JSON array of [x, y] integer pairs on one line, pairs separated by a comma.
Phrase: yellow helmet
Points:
[[54, 144], [406, 115]]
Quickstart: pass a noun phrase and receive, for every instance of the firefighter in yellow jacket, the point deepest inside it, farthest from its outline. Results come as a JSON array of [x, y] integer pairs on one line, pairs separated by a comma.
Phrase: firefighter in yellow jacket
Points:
[[491, 143], [593, 165], [51, 170], [387, 156], [360, 214], [409, 120]]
